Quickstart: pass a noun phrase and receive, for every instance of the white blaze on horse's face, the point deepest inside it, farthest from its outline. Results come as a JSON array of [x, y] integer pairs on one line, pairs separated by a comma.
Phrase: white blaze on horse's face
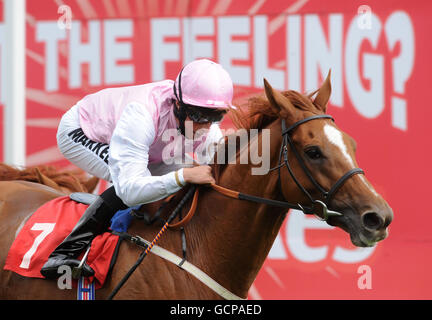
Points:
[[335, 137]]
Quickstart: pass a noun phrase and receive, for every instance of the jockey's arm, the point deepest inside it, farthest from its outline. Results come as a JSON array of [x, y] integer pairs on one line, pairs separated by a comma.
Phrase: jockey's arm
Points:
[[129, 157]]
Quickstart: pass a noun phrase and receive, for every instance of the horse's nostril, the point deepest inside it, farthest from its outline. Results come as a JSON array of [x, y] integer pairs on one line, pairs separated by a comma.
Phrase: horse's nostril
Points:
[[372, 220]]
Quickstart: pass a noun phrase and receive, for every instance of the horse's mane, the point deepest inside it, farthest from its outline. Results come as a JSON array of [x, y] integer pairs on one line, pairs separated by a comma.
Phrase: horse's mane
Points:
[[73, 180], [257, 113]]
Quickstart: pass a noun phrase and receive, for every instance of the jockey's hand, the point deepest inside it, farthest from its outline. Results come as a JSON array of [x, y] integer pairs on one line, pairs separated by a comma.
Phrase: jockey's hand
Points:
[[198, 175]]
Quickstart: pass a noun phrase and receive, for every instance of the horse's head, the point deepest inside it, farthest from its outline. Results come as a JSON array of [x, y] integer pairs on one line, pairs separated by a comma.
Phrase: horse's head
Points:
[[328, 154]]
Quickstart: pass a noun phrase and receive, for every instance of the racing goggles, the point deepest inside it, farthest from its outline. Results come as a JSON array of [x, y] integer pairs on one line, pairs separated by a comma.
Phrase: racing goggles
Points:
[[203, 115]]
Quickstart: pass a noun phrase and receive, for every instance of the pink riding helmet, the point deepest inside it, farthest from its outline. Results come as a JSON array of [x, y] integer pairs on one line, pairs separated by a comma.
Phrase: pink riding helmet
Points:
[[204, 83]]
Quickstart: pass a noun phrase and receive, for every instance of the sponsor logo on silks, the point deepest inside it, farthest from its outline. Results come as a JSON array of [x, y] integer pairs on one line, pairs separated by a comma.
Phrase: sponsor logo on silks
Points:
[[100, 149]]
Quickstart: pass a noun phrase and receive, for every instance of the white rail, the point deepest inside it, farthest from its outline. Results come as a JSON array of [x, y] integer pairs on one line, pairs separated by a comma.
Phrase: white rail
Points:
[[15, 83]]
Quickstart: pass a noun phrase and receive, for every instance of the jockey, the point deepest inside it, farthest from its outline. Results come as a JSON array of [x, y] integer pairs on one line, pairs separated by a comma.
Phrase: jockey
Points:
[[117, 134]]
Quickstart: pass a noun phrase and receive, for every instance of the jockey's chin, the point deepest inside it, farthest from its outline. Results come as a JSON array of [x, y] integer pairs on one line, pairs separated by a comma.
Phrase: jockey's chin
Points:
[[198, 129]]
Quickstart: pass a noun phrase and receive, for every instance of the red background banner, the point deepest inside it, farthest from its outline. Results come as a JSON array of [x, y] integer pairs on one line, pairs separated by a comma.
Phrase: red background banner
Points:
[[380, 75]]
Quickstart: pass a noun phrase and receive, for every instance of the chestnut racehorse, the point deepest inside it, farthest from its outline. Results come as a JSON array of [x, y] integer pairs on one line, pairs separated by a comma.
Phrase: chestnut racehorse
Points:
[[228, 239]]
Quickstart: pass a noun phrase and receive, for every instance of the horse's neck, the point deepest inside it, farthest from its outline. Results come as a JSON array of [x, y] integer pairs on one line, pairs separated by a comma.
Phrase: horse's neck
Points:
[[233, 237]]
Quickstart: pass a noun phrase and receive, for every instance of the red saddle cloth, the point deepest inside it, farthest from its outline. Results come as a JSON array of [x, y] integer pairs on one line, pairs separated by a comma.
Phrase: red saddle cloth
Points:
[[46, 229]]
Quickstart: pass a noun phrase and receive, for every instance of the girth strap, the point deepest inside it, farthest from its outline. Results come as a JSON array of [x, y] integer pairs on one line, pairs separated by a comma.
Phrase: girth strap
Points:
[[183, 264]]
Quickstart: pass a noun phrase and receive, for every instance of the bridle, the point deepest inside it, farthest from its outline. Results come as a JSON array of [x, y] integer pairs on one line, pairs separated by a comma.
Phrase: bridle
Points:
[[326, 195]]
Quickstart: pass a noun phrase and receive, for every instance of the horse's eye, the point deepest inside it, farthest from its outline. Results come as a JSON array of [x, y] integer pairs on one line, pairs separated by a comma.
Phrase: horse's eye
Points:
[[314, 153]]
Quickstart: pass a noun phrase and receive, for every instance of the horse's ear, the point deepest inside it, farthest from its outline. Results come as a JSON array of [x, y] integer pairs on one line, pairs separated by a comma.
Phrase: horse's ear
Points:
[[90, 184], [43, 179], [324, 93], [278, 102]]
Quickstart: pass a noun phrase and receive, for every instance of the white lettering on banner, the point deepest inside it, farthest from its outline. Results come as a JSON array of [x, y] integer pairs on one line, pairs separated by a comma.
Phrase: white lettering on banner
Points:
[[261, 48], [296, 225], [162, 51], [369, 103], [321, 52], [321, 57], [90, 52], [241, 44], [398, 28], [277, 250], [352, 255], [192, 47], [364, 13], [293, 49], [80, 53], [296, 239], [230, 49], [50, 33], [115, 51]]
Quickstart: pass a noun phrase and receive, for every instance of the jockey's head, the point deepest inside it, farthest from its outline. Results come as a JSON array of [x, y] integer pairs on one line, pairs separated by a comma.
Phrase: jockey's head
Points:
[[204, 92]]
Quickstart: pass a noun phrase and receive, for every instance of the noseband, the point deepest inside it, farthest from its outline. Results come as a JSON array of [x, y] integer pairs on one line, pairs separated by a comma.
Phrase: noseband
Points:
[[317, 205]]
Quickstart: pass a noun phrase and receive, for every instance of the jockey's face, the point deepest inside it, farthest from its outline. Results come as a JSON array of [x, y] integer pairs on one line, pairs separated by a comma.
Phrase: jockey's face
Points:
[[198, 125]]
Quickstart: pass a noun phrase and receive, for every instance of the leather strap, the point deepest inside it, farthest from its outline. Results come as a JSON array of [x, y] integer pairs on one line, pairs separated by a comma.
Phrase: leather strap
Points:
[[190, 213], [243, 196], [295, 125], [189, 267], [341, 181], [228, 192]]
